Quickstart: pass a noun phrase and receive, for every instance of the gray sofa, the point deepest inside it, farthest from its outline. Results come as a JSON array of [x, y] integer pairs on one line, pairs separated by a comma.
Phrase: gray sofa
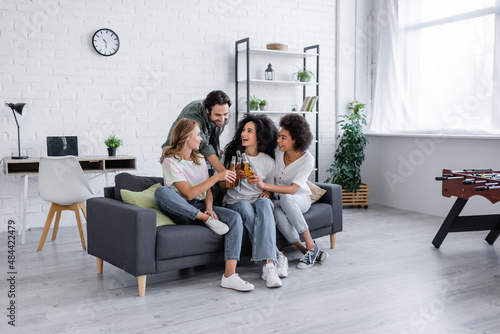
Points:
[[127, 237]]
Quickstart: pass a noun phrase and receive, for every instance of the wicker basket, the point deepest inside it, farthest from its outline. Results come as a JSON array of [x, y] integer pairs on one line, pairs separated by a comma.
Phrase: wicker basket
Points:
[[277, 46]]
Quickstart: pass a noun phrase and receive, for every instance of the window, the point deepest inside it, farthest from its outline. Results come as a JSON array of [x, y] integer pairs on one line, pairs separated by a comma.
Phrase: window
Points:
[[435, 68]]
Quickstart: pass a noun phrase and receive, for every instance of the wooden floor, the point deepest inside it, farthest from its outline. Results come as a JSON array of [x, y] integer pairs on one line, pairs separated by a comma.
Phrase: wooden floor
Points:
[[383, 277]]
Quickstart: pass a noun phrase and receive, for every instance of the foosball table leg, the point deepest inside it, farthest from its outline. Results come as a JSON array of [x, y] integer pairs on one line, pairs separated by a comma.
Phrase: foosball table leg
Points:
[[492, 236], [448, 221]]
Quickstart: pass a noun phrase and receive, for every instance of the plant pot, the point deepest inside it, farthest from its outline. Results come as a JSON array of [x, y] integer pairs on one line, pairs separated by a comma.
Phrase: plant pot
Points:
[[254, 106], [263, 108], [112, 151], [359, 198]]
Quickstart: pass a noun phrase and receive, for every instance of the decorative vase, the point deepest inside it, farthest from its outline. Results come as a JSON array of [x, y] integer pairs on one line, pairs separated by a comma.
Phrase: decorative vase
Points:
[[112, 151]]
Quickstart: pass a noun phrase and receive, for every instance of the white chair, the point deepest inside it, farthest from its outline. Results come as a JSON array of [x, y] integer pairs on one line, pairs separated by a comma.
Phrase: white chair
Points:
[[62, 182]]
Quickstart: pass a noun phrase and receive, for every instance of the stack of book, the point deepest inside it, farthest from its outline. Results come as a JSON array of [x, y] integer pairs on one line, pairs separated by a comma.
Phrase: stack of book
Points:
[[309, 103]]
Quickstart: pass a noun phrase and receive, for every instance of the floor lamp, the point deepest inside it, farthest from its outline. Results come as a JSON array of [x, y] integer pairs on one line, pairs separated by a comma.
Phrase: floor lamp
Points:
[[17, 108]]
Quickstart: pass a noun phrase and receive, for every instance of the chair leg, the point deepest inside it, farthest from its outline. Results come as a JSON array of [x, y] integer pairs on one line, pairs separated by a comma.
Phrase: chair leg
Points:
[[99, 265], [79, 222], [46, 229], [332, 240], [56, 224], [141, 281], [83, 208]]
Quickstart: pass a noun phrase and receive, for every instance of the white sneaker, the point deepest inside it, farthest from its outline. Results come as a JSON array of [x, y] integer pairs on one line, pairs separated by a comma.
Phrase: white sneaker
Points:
[[235, 282], [217, 226], [270, 275], [282, 265]]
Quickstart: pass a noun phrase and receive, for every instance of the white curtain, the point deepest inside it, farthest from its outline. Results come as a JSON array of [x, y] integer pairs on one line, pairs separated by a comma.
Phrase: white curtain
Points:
[[437, 66]]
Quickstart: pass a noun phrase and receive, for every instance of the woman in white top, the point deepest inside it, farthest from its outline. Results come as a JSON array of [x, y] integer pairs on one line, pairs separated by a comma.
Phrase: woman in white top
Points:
[[186, 196], [256, 137], [293, 165]]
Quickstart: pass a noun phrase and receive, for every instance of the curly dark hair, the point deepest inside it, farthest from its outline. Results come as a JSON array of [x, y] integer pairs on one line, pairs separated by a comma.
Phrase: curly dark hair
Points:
[[299, 130], [216, 97], [267, 136]]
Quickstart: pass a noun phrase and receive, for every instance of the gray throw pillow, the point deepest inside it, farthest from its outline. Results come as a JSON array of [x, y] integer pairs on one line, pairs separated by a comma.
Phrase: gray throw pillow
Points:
[[133, 183]]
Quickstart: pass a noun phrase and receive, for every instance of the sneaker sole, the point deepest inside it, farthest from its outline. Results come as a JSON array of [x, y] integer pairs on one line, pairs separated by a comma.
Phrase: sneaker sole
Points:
[[323, 258], [275, 285], [217, 232], [236, 289]]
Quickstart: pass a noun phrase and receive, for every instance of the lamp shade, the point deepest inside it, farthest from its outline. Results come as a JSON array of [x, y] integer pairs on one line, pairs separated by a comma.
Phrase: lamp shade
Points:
[[17, 107]]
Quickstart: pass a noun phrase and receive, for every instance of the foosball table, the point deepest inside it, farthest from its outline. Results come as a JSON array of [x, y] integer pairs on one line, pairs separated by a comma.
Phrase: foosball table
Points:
[[463, 184]]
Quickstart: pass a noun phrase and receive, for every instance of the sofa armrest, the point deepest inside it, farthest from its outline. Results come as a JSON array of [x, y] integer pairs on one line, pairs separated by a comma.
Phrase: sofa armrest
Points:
[[122, 234], [333, 196], [109, 192]]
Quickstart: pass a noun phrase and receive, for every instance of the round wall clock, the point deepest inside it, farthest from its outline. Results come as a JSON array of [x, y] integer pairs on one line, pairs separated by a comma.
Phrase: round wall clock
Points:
[[105, 42]]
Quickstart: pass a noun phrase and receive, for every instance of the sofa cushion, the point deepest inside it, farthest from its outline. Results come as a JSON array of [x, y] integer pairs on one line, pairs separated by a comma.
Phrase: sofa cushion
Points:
[[133, 183], [319, 215], [186, 240], [146, 199], [316, 192]]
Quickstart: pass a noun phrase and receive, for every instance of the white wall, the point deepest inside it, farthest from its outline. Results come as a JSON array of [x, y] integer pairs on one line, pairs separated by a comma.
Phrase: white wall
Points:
[[352, 51], [172, 52], [401, 171]]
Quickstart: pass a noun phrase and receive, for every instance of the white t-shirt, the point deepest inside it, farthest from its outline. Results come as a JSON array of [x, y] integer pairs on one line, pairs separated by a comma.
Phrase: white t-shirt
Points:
[[175, 170], [297, 172], [264, 166]]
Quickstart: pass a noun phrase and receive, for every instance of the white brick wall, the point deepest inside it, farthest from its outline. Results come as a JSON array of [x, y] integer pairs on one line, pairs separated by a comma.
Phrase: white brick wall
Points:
[[171, 52]]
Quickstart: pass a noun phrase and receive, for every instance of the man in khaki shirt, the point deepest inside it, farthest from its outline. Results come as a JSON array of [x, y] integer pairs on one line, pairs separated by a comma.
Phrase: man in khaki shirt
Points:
[[212, 115]]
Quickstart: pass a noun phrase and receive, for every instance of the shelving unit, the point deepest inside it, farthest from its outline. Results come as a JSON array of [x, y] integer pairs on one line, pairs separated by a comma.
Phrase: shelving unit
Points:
[[242, 48], [270, 82]]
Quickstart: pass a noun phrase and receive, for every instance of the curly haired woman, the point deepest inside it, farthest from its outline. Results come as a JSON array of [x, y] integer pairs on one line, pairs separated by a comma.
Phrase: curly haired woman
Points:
[[256, 136], [293, 166]]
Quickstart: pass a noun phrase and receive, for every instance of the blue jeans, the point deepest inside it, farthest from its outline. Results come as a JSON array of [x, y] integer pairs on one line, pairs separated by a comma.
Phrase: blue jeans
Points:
[[258, 219], [288, 212], [184, 212]]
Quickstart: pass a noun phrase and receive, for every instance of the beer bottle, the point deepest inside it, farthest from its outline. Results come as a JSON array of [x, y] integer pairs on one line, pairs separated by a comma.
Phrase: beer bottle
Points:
[[247, 167], [233, 168]]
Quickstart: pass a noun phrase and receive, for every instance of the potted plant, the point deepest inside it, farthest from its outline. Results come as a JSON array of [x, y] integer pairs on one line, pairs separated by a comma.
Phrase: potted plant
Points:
[[349, 157], [302, 75], [254, 103], [263, 105], [112, 143]]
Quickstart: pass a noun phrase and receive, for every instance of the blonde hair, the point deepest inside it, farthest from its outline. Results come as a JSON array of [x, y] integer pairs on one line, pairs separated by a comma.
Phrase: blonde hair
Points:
[[178, 141]]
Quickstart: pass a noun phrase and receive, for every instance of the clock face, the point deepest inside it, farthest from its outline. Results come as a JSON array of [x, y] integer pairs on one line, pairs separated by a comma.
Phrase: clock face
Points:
[[106, 42]]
